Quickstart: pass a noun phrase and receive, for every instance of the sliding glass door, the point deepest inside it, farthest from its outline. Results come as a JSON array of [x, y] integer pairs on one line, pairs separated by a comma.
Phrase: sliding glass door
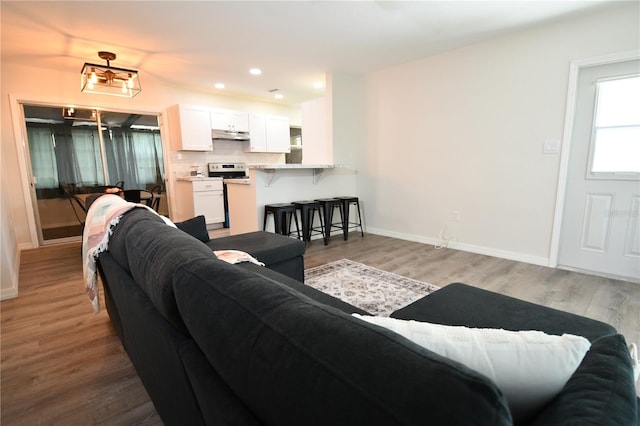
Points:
[[75, 152]]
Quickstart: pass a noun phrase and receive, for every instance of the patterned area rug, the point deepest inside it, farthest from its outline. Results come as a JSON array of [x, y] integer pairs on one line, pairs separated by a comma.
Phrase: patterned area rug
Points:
[[377, 292]]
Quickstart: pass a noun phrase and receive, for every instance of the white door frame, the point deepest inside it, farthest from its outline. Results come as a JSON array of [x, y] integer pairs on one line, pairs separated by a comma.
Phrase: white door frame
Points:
[[567, 134], [20, 139]]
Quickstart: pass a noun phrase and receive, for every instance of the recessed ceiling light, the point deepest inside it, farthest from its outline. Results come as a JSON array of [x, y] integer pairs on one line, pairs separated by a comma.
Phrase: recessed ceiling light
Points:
[[255, 71], [278, 96], [318, 85], [219, 85]]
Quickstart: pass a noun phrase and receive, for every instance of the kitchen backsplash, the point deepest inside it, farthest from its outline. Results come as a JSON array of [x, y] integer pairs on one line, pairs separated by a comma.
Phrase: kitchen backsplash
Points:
[[223, 152]]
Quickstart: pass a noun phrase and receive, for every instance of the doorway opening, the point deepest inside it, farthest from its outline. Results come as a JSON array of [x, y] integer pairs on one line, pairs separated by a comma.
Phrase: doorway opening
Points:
[[74, 151], [597, 226]]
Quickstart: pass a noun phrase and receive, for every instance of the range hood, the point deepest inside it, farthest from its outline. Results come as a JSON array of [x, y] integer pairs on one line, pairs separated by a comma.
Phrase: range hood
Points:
[[229, 135]]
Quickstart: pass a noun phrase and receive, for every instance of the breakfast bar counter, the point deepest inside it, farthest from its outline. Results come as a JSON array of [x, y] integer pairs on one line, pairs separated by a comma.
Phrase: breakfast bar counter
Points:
[[282, 183], [272, 169], [292, 166]]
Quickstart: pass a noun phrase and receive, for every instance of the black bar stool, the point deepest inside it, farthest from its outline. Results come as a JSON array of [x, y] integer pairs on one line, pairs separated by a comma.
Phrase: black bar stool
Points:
[[282, 213], [346, 201], [328, 206], [307, 212]]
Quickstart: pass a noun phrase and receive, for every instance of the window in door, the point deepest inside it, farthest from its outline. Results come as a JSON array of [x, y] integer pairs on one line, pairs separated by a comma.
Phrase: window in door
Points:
[[615, 146]]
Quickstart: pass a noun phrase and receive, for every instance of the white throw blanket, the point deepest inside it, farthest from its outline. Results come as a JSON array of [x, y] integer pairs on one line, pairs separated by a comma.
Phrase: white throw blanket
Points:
[[105, 213], [236, 256]]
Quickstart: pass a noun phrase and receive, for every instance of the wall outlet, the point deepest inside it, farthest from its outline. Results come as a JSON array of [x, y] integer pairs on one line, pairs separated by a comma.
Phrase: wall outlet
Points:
[[455, 215]]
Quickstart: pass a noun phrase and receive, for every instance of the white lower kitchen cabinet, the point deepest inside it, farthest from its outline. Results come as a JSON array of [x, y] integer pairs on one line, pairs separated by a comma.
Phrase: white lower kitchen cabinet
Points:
[[200, 197]]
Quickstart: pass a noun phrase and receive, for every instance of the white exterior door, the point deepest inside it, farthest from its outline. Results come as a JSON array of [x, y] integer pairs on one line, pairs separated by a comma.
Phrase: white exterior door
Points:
[[601, 220]]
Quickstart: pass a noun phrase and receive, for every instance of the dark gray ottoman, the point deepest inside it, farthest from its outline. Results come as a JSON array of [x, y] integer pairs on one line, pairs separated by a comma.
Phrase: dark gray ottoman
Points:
[[277, 252], [461, 304]]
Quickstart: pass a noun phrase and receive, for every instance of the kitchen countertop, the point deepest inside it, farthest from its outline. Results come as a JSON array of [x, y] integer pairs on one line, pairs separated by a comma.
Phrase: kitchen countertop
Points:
[[196, 178], [292, 166]]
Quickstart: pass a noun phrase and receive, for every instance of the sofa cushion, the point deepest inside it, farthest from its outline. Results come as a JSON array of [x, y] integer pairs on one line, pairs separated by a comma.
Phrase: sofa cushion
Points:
[[600, 393], [118, 241], [196, 227], [530, 367], [217, 402], [155, 251], [307, 290], [294, 361], [153, 345]]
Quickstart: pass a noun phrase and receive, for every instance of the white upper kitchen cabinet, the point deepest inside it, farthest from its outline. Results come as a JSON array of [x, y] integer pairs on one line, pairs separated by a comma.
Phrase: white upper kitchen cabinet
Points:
[[257, 134], [225, 119], [277, 129], [190, 128], [269, 133]]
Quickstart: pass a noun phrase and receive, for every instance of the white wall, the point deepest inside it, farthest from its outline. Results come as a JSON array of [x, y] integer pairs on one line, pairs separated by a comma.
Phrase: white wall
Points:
[[464, 130], [9, 254], [347, 117], [316, 136]]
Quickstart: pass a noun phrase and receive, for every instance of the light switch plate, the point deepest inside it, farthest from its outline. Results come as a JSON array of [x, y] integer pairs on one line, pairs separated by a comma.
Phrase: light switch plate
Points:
[[551, 146]]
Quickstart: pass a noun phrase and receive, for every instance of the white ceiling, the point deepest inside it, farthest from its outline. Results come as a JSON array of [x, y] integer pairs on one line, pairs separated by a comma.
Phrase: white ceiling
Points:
[[196, 44]]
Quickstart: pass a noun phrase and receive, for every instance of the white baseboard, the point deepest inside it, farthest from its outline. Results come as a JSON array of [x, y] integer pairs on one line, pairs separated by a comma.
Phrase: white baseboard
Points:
[[12, 291], [9, 293], [26, 246], [600, 274], [488, 251]]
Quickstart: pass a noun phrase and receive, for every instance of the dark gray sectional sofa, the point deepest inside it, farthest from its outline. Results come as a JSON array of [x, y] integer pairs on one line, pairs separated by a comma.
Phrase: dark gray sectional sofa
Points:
[[222, 344]]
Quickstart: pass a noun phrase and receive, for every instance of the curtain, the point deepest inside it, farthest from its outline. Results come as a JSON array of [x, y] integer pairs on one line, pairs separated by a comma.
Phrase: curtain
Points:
[[120, 155], [66, 160], [135, 157], [86, 153], [43, 157], [63, 155]]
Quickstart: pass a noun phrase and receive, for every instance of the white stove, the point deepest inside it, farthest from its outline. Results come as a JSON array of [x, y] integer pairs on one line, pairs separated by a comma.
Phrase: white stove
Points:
[[227, 171]]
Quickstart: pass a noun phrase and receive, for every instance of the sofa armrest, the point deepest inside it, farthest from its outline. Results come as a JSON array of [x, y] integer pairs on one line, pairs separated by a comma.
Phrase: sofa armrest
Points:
[[601, 392]]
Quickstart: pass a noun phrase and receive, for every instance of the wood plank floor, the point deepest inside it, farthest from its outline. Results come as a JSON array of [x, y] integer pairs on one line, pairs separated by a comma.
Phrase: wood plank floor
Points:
[[62, 364]]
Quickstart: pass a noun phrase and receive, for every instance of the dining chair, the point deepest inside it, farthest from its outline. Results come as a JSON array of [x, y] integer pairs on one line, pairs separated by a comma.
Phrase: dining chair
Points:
[[139, 196], [156, 199], [79, 210]]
